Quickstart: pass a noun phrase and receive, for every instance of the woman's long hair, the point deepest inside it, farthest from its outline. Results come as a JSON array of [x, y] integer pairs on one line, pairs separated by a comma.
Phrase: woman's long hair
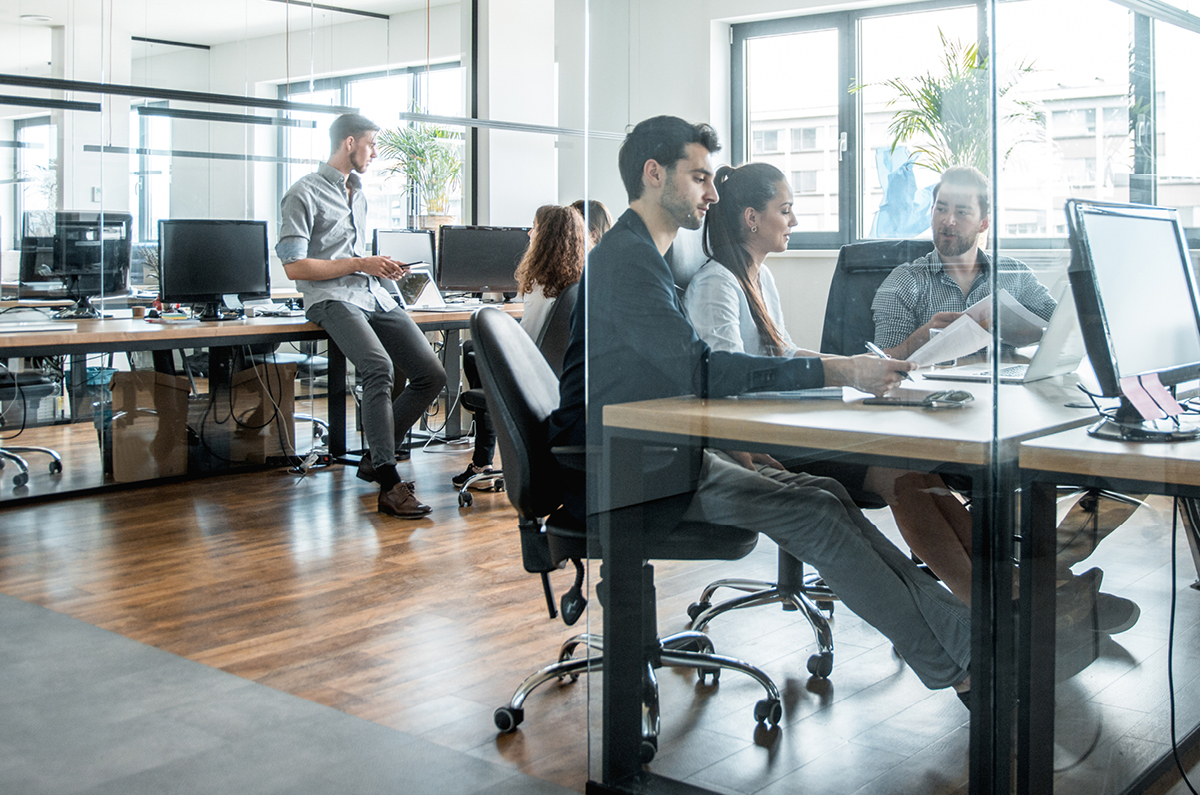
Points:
[[556, 251], [751, 185], [599, 220]]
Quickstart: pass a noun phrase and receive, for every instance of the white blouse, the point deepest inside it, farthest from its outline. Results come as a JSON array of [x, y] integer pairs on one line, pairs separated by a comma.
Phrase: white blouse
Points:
[[720, 312]]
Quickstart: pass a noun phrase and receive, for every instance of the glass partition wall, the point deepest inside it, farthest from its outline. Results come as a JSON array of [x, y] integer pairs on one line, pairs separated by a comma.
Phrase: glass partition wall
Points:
[[1036, 568], [117, 116]]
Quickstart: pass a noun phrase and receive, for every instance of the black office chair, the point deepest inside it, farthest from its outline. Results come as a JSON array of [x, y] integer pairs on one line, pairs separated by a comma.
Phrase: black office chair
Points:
[[861, 269], [29, 388], [552, 341], [522, 391]]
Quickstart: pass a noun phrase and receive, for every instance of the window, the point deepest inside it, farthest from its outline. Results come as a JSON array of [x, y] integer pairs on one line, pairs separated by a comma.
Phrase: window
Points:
[[1078, 121], [1081, 111], [804, 139], [766, 141], [380, 97], [804, 182], [151, 183], [35, 185]]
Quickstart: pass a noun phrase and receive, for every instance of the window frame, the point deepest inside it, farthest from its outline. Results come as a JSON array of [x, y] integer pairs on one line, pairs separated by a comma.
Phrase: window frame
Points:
[[18, 198]]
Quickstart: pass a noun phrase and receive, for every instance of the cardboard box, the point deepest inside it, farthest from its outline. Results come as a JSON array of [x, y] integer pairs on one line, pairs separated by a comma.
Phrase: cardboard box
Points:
[[149, 425], [244, 425]]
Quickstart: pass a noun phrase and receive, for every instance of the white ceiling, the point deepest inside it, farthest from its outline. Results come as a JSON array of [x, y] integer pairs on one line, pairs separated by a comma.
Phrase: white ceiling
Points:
[[206, 22]]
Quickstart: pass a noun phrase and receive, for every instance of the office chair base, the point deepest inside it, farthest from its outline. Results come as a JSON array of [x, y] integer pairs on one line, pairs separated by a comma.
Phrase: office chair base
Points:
[[687, 649], [22, 477], [56, 465], [763, 593], [496, 478]]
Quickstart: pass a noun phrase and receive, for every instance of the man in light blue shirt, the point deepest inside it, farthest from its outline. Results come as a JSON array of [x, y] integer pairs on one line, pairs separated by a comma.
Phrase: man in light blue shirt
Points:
[[322, 243]]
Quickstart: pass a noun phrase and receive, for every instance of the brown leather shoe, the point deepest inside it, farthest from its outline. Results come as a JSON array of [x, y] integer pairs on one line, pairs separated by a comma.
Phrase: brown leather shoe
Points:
[[400, 501]]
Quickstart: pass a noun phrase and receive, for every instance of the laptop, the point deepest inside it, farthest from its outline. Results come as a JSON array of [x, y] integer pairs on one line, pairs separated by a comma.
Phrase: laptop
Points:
[[1059, 352], [26, 326]]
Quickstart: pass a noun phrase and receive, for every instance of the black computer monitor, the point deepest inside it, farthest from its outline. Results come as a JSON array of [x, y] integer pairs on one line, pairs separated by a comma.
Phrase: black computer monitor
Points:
[[76, 255], [202, 261], [405, 245], [480, 259], [1138, 304]]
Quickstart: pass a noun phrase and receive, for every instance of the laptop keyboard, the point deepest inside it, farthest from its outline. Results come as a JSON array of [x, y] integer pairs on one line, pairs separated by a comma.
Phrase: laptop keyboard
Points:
[[1014, 371]]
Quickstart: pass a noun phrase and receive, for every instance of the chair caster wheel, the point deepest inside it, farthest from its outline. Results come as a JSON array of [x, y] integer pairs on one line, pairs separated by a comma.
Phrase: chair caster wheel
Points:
[[647, 749], [704, 673], [508, 719], [20, 479], [498, 485], [825, 607], [768, 711], [55, 467], [821, 665], [696, 608], [465, 500]]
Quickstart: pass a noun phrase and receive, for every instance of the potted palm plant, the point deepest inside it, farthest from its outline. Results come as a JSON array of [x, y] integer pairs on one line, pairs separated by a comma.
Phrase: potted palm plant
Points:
[[430, 159], [948, 113]]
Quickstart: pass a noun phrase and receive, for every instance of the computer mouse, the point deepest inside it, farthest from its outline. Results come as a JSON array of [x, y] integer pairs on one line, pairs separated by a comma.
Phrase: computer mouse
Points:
[[958, 396]]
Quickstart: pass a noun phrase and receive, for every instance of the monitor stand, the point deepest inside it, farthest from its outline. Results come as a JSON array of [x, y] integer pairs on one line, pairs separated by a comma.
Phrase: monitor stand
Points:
[[212, 311], [1128, 425], [83, 310]]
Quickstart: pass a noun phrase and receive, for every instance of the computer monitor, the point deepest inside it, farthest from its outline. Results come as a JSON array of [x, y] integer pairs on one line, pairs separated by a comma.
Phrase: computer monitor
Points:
[[1138, 304], [480, 259], [405, 245], [77, 255], [202, 261]]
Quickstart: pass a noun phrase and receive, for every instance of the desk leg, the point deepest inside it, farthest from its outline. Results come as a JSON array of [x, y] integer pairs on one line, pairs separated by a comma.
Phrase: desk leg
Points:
[[992, 646], [1035, 661], [452, 362], [77, 384], [336, 400], [622, 577]]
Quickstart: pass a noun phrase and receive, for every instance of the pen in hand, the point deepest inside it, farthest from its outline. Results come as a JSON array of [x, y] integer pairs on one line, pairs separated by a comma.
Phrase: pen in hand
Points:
[[882, 354]]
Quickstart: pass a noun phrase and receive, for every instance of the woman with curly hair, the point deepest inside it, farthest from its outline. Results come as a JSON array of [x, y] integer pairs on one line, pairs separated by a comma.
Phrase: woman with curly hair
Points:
[[558, 245]]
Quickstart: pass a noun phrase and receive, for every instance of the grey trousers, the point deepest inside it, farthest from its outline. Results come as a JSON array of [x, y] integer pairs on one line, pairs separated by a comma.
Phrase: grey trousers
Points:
[[815, 520], [386, 348]]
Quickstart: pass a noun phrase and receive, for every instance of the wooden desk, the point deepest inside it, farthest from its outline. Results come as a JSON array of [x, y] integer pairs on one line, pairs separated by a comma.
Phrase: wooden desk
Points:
[[118, 335], [1078, 459], [959, 440]]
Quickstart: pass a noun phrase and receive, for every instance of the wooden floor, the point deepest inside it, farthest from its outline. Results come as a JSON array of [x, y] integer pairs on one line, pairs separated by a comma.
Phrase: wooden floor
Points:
[[427, 626]]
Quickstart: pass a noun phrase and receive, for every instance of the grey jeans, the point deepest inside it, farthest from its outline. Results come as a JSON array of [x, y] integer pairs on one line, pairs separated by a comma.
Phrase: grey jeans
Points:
[[386, 348], [815, 520]]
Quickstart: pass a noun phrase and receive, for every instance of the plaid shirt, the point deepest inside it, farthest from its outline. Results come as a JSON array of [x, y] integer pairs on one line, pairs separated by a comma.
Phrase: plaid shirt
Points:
[[916, 291]]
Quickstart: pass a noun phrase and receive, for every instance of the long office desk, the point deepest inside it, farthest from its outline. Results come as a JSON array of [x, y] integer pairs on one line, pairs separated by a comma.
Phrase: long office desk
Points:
[[126, 334], [950, 440], [1073, 457]]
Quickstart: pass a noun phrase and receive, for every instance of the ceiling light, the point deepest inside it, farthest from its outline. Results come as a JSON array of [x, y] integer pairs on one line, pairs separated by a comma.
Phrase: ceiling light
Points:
[[40, 18]]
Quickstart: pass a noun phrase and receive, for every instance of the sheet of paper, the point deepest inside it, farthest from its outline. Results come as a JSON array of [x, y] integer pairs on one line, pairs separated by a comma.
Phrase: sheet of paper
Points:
[[1160, 395], [961, 338], [1132, 389], [1018, 326]]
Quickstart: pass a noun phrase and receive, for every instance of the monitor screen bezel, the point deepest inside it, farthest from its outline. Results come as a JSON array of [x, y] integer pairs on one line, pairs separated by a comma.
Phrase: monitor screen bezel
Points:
[[1097, 334], [509, 286], [111, 279], [201, 298]]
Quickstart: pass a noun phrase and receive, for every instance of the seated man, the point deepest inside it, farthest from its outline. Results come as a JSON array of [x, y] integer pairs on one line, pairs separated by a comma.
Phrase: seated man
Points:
[[931, 292], [641, 346]]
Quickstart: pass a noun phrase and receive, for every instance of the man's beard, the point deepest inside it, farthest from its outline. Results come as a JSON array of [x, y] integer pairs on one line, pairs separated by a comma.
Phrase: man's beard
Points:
[[681, 211], [955, 247]]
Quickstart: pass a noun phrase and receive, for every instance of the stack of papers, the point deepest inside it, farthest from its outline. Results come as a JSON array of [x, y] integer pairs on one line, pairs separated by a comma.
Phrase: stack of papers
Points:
[[1018, 327]]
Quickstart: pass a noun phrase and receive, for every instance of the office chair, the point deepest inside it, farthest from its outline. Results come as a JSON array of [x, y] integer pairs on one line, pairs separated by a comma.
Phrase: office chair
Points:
[[552, 341], [29, 388], [792, 588], [522, 391]]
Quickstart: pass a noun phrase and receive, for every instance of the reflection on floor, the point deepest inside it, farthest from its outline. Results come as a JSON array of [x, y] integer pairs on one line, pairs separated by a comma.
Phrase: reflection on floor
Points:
[[425, 627]]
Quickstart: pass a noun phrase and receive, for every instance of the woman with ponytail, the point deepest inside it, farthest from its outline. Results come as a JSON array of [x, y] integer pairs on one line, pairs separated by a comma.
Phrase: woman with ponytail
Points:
[[734, 306]]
